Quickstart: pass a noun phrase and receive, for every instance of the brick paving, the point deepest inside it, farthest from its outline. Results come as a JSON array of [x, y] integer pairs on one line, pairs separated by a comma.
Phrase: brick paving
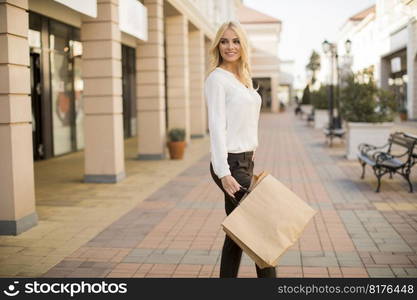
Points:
[[175, 231]]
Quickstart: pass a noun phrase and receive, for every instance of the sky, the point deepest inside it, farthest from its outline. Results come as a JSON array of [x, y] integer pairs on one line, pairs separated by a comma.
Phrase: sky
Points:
[[306, 24]]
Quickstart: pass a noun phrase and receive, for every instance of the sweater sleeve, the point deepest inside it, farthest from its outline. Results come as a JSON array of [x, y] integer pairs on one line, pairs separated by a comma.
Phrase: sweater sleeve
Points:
[[215, 96]]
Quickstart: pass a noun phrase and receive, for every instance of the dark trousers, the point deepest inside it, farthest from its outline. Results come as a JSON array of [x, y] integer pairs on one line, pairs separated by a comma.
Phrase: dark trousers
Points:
[[241, 167]]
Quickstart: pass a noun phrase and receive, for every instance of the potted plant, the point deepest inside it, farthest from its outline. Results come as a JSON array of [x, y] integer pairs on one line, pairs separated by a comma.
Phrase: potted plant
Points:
[[306, 106], [321, 107], [176, 143], [369, 112], [403, 113]]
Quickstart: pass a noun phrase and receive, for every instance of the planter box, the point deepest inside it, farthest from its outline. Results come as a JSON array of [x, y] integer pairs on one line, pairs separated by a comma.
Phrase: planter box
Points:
[[321, 118], [306, 108], [371, 133]]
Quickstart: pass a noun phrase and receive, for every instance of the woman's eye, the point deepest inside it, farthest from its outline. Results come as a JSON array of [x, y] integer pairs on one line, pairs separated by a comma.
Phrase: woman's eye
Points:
[[237, 42]]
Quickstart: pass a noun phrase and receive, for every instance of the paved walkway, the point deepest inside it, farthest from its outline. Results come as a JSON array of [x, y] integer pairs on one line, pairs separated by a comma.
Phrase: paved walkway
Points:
[[174, 230]]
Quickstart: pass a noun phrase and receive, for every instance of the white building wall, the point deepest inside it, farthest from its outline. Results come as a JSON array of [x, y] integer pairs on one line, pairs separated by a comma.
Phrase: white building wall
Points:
[[393, 28], [216, 11]]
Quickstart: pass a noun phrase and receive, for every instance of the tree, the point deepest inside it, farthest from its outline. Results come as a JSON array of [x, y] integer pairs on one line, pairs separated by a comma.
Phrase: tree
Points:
[[314, 65]]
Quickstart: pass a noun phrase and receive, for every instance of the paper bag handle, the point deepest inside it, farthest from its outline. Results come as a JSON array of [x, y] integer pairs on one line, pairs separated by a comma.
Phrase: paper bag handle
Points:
[[256, 179]]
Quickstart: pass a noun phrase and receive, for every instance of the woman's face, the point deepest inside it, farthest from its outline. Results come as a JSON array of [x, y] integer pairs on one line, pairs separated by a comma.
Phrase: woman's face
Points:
[[229, 46]]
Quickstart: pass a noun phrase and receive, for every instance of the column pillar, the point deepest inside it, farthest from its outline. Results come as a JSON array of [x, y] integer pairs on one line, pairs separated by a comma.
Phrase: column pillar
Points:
[[178, 73], [17, 191], [150, 74], [274, 94], [102, 75], [412, 70], [197, 62]]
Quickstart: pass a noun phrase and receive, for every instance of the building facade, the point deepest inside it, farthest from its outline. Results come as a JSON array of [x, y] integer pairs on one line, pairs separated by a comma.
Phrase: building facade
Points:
[[263, 33], [384, 41], [88, 74]]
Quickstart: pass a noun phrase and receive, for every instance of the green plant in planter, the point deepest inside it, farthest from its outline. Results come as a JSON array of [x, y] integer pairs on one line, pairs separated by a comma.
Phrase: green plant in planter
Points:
[[365, 102], [319, 98], [176, 135], [306, 99], [403, 113], [176, 143]]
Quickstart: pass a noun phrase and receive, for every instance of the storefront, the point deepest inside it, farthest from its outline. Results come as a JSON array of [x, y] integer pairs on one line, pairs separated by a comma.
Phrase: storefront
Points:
[[398, 78], [129, 90], [264, 89], [56, 87]]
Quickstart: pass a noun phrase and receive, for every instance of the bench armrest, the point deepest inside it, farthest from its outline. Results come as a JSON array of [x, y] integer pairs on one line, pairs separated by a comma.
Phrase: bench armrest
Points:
[[380, 156], [364, 148]]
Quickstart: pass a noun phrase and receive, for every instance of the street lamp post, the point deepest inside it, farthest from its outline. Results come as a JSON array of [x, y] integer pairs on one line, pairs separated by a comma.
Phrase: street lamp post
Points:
[[331, 49]]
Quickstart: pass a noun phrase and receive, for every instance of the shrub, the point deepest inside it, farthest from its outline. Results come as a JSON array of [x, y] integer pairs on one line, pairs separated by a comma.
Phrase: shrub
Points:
[[365, 102], [319, 98], [306, 96]]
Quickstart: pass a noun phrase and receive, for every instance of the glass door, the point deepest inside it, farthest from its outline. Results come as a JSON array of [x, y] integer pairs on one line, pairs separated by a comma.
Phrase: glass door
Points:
[[66, 88], [36, 99], [129, 90]]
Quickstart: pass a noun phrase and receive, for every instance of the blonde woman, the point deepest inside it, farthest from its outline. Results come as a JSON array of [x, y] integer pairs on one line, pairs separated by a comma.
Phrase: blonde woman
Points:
[[233, 112]]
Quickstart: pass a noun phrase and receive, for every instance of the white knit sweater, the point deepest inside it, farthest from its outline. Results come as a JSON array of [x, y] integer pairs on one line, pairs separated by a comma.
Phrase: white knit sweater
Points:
[[233, 115]]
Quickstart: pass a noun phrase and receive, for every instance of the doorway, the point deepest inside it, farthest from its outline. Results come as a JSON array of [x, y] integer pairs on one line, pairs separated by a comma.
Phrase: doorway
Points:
[[129, 91], [35, 87]]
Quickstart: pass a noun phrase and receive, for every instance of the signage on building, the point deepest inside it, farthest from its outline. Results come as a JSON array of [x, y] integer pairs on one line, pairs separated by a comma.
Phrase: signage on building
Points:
[[86, 7], [133, 18]]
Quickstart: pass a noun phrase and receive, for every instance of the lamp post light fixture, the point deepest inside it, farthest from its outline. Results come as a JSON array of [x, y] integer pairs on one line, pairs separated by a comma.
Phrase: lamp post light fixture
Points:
[[331, 50]]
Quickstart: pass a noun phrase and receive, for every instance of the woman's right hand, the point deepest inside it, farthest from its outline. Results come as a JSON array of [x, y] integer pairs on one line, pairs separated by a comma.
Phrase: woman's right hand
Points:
[[230, 185]]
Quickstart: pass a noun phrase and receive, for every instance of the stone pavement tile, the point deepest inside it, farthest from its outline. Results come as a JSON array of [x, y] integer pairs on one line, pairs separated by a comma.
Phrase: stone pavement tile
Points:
[[379, 272], [162, 269], [290, 258], [309, 271], [206, 271], [187, 271], [198, 259], [384, 258], [68, 264], [247, 272], [320, 262], [161, 258], [399, 272], [56, 273], [312, 253], [120, 255], [142, 270], [349, 259], [353, 272], [335, 272], [399, 247], [289, 270], [411, 271]]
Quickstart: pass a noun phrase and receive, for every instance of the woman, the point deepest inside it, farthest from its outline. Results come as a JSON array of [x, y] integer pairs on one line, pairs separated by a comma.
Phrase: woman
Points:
[[233, 112]]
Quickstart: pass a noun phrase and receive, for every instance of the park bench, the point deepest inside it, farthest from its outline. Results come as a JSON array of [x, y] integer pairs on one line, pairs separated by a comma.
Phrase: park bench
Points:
[[335, 131], [310, 117], [396, 157], [331, 133]]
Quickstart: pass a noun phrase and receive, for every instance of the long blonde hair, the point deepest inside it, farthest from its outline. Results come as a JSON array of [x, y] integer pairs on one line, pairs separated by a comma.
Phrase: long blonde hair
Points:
[[243, 69]]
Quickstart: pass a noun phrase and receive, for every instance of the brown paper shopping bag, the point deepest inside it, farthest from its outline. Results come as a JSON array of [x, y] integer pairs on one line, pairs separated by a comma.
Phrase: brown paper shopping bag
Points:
[[268, 221]]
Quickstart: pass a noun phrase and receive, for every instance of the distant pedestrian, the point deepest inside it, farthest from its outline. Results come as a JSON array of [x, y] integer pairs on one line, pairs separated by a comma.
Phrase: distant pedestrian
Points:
[[233, 113]]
